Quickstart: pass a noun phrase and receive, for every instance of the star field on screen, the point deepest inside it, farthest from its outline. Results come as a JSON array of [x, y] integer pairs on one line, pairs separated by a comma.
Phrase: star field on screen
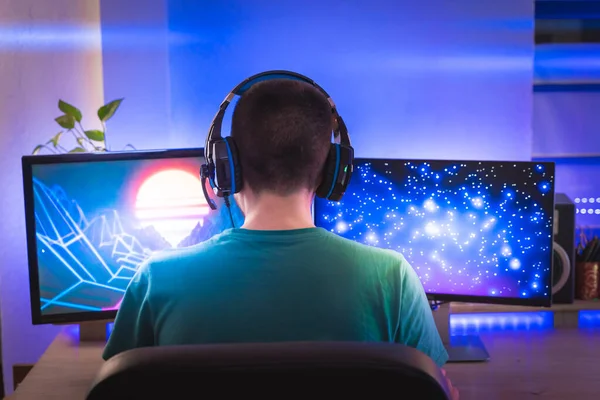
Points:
[[468, 228]]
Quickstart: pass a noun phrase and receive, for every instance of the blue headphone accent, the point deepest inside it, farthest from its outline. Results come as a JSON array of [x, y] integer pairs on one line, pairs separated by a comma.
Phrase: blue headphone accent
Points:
[[221, 161], [336, 171], [231, 165]]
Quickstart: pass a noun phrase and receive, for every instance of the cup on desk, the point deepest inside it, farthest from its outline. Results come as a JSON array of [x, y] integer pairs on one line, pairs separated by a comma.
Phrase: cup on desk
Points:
[[587, 276]]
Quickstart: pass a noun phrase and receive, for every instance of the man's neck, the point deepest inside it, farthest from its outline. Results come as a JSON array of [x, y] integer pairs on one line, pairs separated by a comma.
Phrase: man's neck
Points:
[[270, 212]]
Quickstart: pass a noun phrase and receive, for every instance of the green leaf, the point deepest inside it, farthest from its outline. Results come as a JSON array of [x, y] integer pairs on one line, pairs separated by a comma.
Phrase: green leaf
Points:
[[107, 111], [80, 141], [55, 139], [78, 150], [37, 149], [95, 135], [69, 110], [66, 121]]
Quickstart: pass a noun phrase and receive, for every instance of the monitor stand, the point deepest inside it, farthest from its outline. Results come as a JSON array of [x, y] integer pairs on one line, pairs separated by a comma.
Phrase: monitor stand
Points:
[[460, 348], [93, 331]]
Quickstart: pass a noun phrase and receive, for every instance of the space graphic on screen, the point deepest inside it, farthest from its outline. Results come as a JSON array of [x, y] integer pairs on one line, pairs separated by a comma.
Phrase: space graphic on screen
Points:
[[467, 228], [97, 222]]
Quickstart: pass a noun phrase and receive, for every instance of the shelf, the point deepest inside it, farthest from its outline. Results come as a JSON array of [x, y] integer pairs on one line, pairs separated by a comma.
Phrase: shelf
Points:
[[578, 305], [540, 86], [561, 157]]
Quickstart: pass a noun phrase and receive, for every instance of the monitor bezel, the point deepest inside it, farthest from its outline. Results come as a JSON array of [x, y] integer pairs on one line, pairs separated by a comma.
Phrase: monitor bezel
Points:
[[441, 297], [27, 163]]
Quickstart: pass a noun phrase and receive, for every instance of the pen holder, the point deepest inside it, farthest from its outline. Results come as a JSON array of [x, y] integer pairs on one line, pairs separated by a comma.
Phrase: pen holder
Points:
[[588, 278]]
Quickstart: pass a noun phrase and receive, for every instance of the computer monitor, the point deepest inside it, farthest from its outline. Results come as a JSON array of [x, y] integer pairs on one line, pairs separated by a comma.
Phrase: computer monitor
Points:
[[474, 231], [93, 219]]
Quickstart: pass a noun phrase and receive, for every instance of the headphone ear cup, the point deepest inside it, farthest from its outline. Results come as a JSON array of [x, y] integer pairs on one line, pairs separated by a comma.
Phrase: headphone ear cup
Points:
[[329, 173], [236, 174]]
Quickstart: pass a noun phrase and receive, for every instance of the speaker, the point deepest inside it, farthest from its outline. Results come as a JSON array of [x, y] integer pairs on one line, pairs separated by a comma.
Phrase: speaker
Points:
[[563, 260]]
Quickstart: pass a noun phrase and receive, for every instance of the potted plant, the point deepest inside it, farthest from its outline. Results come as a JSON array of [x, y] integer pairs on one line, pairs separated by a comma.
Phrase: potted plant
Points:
[[86, 140]]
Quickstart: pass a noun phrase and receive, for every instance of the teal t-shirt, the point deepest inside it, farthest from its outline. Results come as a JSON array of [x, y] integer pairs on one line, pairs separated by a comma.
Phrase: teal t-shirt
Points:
[[266, 286]]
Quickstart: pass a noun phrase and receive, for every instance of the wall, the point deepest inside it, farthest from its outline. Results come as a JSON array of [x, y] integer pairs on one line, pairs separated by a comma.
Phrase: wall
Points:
[[48, 50], [436, 78], [135, 63]]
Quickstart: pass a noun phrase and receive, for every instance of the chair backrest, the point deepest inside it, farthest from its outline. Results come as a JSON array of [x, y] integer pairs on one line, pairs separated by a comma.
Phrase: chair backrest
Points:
[[271, 370]]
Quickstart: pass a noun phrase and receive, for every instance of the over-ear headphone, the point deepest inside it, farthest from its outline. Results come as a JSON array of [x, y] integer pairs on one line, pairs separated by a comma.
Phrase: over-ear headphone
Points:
[[221, 158]]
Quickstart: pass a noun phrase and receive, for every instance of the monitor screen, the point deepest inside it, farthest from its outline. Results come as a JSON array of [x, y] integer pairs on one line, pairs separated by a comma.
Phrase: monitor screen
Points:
[[473, 231], [92, 220]]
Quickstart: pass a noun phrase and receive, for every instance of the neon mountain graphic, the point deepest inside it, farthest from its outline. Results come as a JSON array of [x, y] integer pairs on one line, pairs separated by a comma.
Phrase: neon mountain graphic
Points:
[[85, 265]]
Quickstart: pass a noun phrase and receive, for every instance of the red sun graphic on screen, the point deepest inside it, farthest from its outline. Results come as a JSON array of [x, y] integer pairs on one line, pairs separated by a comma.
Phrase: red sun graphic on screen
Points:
[[171, 201]]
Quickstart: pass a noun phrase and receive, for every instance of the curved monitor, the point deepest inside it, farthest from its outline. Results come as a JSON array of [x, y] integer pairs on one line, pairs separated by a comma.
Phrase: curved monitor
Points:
[[474, 231], [93, 219]]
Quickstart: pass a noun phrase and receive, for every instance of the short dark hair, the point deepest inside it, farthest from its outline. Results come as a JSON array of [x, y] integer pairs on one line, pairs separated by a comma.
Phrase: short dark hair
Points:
[[283, 130]]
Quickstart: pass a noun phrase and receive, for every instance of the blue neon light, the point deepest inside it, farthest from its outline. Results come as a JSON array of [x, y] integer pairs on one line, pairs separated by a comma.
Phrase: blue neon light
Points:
[[469, 324], [589, 319], [109, 328]]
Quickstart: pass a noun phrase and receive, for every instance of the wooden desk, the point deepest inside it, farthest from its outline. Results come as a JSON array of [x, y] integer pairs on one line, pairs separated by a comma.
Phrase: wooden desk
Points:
[[559, 364], [65, 371]]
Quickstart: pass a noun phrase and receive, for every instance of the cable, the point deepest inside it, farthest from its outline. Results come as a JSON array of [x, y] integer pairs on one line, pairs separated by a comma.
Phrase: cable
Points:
[[228, 205]]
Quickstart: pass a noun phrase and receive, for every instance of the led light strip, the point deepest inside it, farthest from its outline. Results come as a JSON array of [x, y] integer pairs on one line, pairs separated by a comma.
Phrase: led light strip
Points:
[[588, 205]]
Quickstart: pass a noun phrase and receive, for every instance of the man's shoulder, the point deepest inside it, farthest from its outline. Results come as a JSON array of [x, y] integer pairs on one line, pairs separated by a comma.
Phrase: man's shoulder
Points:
[[364, 252], [180, 256]]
